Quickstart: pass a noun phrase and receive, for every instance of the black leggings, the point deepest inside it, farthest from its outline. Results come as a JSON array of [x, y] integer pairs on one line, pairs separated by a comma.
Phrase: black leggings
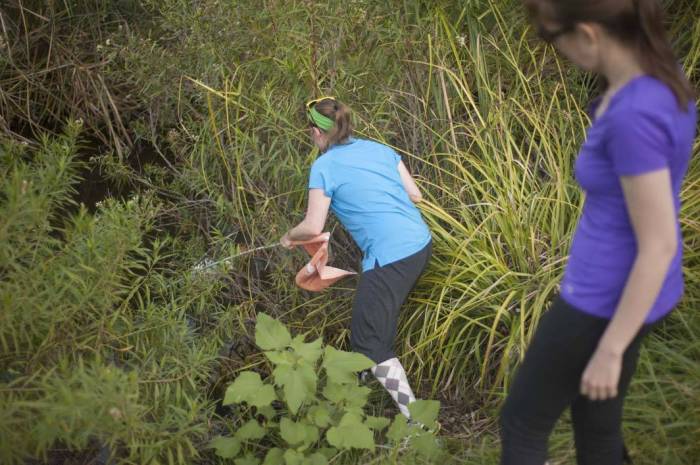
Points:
[[548, 381], [380, 294]]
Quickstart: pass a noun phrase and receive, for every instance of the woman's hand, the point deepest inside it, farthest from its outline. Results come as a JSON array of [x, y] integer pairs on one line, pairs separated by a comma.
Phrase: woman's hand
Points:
[[602, 375], [285, 241]]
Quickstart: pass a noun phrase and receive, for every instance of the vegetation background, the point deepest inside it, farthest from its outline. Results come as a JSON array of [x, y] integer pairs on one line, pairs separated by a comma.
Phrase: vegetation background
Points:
[[143, 141]]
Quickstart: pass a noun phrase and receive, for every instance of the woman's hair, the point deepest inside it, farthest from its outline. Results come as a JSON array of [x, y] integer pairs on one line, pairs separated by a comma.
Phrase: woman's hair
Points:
[[637, 23], [340, 114]]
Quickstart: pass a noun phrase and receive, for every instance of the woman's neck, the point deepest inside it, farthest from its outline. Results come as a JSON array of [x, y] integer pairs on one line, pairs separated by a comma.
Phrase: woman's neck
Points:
[[620, 67]]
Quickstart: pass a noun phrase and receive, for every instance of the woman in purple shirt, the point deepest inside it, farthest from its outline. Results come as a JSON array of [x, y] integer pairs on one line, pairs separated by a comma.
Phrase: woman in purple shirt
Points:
[[624, 270]]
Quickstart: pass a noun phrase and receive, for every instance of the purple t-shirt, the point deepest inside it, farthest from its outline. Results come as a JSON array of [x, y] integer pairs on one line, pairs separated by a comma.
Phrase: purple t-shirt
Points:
[[642, 130]]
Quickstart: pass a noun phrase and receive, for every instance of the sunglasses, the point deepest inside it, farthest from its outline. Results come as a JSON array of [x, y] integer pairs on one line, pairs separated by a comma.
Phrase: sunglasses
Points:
[[550, 36]]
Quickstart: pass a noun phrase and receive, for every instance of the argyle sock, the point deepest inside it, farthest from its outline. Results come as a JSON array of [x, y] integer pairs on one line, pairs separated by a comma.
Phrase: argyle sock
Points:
[[392, 376]]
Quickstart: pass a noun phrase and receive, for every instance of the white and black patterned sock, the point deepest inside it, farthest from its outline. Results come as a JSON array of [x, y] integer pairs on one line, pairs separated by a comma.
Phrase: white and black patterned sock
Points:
[[392, 376]]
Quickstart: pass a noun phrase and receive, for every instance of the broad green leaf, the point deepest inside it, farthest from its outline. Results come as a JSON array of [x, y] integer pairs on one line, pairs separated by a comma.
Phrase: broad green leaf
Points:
[[399, 429], [377, 423], [270, 334], [264, 397], [280, 357], [351, 419], [250, 430], [268, 411], [298, 384], [292, 457], [354, 410], [320, 415], [244, 386], [298, 433], [226, 447], [342, 367], [328, 452], [425, 411], [309, 352], [317, 459], [292, 432], [350, 395], [312, 434], [426, 445], [274, 456], [248, 387], [247, 460], [356, 436]]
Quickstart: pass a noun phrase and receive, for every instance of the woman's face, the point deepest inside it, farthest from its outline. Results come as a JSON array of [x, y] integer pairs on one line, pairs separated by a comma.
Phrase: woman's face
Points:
[[583, 43]]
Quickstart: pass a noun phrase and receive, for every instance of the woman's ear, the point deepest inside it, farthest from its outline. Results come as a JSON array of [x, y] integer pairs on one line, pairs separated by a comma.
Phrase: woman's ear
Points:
[[589, 33], [319, 138], [588, 46]]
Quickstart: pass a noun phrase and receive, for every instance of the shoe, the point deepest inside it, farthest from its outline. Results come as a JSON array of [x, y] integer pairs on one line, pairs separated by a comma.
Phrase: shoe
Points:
[[364, 377], [435, 430]]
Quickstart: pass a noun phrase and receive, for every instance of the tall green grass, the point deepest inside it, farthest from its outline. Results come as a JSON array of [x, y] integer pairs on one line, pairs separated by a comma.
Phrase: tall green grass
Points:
[[502, 203]]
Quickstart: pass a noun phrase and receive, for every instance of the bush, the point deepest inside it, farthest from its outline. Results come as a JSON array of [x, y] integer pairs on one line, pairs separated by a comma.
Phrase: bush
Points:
[[317, 416]]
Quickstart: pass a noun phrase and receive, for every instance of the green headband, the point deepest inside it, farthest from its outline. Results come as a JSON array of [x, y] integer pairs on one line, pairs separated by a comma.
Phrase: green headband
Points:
[[322, 122]]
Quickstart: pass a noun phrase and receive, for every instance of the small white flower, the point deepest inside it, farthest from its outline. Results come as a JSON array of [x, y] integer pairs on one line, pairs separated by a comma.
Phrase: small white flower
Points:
[[115, 413], [462, 40]]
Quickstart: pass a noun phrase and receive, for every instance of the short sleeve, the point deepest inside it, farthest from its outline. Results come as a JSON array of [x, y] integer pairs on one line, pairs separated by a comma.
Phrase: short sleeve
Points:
[[319, 178], [639, 143], [394, 156]]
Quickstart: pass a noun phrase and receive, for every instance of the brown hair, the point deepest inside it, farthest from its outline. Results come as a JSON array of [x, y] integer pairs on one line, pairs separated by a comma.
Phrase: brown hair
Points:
[[340, 114], [637, 23]]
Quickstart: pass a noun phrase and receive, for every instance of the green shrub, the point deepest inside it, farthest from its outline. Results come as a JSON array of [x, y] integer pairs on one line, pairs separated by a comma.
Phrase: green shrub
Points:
[[96, 345], [320, 409]]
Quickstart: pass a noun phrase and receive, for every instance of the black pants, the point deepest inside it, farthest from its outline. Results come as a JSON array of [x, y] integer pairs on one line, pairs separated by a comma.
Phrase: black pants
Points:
[[375, 309], [548, 382]]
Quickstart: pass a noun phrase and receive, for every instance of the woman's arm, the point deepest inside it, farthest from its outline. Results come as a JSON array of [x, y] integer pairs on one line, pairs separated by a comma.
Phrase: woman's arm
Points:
[[312, 225], [649, 199], [409, 184]]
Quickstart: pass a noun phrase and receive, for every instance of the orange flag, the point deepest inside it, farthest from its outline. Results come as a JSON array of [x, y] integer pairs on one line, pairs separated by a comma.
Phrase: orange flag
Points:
[[316, 275]]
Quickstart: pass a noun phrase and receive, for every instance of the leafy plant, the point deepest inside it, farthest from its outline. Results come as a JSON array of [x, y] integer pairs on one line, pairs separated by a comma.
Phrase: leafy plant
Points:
[[312, 408]]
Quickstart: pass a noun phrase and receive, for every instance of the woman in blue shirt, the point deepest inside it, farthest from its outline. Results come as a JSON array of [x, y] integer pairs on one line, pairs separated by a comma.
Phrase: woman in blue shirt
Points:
[[371, 192]]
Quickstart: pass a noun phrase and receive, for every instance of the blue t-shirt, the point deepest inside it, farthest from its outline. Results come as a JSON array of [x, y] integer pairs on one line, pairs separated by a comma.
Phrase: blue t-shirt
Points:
[[642, 130], [362, 180]]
